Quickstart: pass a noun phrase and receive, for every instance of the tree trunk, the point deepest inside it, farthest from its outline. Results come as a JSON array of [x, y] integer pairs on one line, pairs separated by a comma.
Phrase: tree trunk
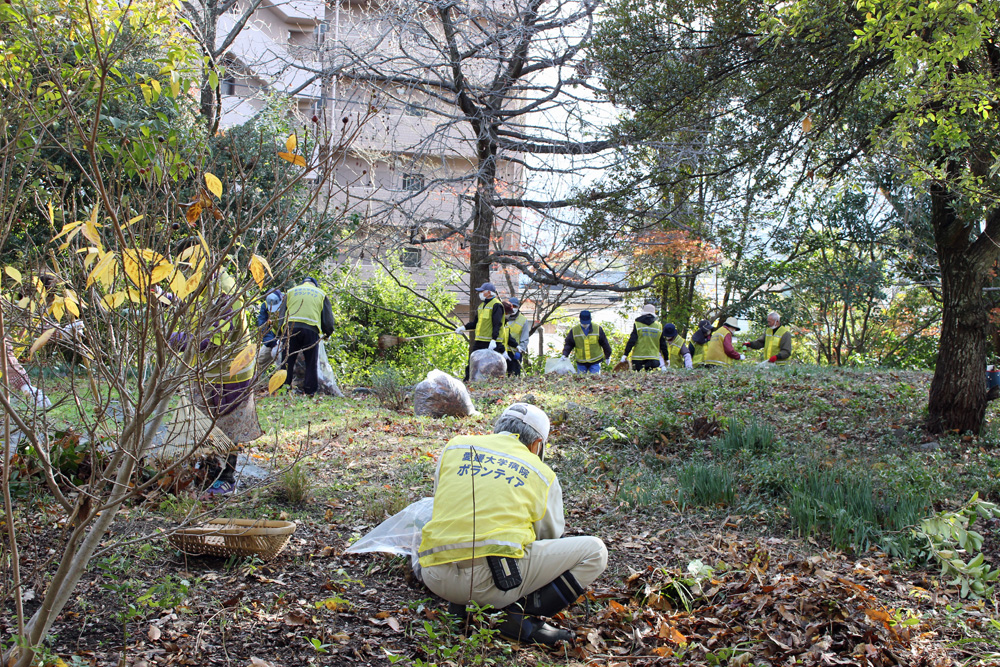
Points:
[[482, 225], [958, 390]]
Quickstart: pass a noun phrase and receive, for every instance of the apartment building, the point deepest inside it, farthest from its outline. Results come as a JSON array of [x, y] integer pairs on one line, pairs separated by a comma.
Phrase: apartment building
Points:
[[410, 172]]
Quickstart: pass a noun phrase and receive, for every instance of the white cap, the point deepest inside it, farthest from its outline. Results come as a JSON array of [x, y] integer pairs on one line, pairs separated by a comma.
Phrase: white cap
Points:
[[530, 415]]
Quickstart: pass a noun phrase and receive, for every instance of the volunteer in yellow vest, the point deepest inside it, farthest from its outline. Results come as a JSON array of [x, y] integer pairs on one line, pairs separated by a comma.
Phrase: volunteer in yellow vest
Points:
[[494, 535], [486, 324], [678, 355], [305, 311], [699, 341], [719, 351], [226, 397], [520, 332], [647, 343], [588, 343], [776, 341]]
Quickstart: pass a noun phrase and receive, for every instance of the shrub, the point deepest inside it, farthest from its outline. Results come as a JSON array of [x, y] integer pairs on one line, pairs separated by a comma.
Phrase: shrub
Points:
[[387, 385], [705, 485], [296, 484], [754, 437]]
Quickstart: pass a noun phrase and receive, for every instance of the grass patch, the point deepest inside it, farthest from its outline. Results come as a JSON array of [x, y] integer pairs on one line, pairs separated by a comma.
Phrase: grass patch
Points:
[[702, 485], [295, 485], [846, 507], [753, 437]]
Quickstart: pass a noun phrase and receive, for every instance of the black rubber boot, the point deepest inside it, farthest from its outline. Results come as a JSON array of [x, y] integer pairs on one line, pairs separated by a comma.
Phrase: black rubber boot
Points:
[[554, 596], [521, 627], [229, 472], [460, 612]]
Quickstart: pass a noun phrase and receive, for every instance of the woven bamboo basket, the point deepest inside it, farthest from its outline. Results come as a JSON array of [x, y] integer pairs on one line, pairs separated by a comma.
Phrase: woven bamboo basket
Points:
[[235, 537], [622, 366]]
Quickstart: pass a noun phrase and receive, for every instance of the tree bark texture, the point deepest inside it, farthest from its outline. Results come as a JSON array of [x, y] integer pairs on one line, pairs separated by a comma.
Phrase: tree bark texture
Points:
[[958, 390]]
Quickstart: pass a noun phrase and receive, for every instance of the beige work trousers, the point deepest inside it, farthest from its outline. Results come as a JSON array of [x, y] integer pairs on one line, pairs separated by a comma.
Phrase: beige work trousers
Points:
[[543, 562]]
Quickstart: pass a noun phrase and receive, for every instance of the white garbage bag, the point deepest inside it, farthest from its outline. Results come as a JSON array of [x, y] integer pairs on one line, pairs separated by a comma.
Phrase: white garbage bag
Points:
[[399, 534], [559, 366], [327, 380]]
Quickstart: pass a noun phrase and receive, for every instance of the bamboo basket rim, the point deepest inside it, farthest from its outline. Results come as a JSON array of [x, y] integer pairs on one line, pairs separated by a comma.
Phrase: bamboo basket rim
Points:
[[240, 528]]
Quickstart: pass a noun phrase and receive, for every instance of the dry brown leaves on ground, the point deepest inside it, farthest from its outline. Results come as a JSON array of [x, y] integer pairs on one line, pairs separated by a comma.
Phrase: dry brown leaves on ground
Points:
[[751, 607]]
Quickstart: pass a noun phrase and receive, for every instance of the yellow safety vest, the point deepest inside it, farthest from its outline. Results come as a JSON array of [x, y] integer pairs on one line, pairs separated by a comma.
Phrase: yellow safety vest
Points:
[[588, 347], [648, 344], [772, 344], [715, 353], [484, 325], [305, 304], [516, 326], [491, 482], [699, 352], [675, 347]]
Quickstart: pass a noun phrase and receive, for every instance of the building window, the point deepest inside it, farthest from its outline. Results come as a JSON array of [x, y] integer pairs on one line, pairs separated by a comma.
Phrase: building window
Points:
[[410, 257], [229, 85], [413, 181]]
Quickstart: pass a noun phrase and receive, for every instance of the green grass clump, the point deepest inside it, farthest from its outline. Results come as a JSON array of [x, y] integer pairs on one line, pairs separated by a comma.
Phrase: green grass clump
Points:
[[705, 485], [845, 506], [296, 484], [753, 437]]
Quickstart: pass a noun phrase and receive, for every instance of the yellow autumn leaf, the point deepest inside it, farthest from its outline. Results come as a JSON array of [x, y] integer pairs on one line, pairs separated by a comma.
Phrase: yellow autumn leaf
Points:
[[52, 214], [214, 185], [193, 282], [178, 284], [161, 271], [90, 233], [40, 341], [807, 123], [23, 303], [297, 160], [258, 266], [57, 309], [243, 359], [70, 302], [136, 296], [67, 228], [93, 254], [276, 381], [291, 143], [134, 220], [112, 301], [14, 274], [130, 262], [103, 271]]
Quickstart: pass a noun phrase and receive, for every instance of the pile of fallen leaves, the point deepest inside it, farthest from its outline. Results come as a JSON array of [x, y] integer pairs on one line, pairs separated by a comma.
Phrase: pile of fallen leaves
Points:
[[750, 607]]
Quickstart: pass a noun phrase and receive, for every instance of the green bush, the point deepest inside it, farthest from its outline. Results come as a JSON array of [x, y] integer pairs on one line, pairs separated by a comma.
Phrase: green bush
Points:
[[754, 437], [296, 484], [705, 485], [365, 308]]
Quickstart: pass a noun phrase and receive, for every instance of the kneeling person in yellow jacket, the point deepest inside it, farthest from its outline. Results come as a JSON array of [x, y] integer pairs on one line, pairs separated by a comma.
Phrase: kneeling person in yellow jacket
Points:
[[494, 536]]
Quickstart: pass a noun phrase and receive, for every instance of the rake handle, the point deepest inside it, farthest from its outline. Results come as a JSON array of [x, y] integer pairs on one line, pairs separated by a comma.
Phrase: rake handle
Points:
[[443, 333]]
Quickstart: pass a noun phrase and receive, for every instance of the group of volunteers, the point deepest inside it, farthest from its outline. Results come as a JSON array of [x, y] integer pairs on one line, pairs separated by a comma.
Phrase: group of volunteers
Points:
[[500, 326]]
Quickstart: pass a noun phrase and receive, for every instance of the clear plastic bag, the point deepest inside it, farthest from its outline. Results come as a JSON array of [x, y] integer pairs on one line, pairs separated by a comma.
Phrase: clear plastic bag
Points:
[[486, 364], [327, 380], [559, 366], [399, 534], [442, 395]]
